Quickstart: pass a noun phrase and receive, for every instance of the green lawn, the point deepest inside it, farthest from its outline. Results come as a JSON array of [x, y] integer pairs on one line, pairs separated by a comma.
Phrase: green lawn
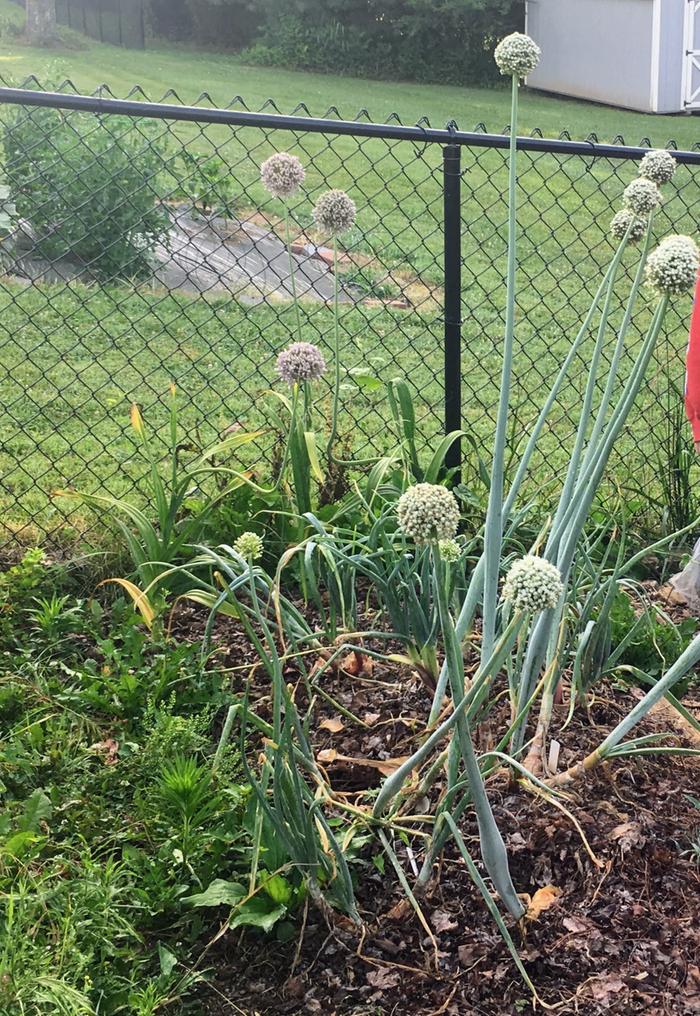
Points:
[[74, 357], [223, 77]]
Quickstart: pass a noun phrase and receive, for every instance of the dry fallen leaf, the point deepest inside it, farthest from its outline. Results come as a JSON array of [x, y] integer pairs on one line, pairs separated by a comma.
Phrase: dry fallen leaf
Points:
[[109, 749], [357, 663], [327, 755], [399, 911], [601, 988], [541, 901], [385, 766], [334, 724], [383, 977], [629, 835], [469, 955], [442, 921]]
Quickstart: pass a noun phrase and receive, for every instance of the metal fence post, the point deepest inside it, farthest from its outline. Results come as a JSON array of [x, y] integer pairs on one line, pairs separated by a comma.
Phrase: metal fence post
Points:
[[452, 179]]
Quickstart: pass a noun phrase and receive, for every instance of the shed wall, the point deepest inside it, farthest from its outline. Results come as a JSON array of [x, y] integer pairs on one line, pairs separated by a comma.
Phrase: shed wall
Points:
[[595, 49], [671, 49]]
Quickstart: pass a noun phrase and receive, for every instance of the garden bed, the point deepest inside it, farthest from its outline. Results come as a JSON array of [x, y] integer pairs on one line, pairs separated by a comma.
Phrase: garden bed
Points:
[[622, 936], [622, 933]]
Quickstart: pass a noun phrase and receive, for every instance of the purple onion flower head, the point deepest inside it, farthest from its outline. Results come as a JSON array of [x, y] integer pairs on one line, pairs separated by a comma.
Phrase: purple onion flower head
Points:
[[624, 220], [282, 174], [427, 511], [658, 165], [517, 55], [302, 361], [334, 212], [641, 196], [672, 267]]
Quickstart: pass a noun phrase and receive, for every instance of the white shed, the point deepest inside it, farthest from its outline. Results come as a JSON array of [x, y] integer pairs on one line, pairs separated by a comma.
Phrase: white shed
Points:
[[640, 54]]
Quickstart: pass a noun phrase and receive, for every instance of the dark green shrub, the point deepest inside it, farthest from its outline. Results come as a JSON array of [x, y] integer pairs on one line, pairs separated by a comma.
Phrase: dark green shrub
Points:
[[418, 40], [170, 19], [231, 24], [225, 24], [88, 186]]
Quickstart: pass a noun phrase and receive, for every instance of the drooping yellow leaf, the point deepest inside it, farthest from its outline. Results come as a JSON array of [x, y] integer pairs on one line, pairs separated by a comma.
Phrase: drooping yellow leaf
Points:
[[140, 600]]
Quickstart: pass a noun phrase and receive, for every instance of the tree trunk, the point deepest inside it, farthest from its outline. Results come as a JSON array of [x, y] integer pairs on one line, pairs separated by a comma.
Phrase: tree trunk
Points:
[[41, 22]]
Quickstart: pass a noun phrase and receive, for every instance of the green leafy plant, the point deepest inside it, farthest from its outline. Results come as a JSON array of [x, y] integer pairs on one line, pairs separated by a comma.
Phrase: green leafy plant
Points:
[[372, 282], [290, 790], [676, 462], [156, 544], [185, 789], [207, 182], [88, 186], [18, 586]]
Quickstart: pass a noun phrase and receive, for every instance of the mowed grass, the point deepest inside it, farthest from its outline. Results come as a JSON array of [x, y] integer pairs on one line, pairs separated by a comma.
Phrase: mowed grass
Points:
[[74, 357]]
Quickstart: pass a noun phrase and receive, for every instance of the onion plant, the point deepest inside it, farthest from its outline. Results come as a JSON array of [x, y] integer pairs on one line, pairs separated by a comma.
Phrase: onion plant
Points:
[[544, 613], [290, 789], [528, 632]]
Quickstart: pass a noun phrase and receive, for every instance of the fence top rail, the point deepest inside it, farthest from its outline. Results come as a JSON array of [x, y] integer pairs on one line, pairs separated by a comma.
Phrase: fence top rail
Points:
[[418, 134]]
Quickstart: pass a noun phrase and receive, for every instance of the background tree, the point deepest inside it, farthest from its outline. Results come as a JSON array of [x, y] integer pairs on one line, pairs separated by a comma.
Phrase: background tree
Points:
[[420, 40], [41, 22]]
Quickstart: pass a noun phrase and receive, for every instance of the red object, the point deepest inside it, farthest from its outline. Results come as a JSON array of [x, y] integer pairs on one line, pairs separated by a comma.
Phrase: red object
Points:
[[692, 370]]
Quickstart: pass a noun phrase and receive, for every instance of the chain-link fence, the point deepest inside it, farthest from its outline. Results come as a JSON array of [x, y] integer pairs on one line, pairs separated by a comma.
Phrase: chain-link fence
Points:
[[140, 249]]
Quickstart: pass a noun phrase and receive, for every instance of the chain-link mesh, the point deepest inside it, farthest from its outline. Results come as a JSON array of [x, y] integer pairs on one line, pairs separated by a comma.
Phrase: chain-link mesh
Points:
[[142, 250]]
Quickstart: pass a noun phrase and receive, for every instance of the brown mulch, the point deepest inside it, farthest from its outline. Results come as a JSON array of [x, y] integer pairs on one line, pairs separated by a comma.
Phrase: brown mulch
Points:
[[621, 938]]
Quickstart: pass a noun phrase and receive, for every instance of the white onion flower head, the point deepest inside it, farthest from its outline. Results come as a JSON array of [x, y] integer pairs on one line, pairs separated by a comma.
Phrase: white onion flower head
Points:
[[250, 546], [450, 551], [658, 165], [641, 196], [533, 584], [302, 361], [427, 511], [334, 212], [672, 267], [282, 174], [626, 219], [517, 55]]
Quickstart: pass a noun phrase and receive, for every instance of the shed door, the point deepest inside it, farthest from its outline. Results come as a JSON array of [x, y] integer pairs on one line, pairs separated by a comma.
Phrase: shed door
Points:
[[691, 74]]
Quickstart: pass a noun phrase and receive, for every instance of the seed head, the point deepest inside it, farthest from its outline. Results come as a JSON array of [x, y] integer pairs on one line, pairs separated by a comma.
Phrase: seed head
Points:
[[450, 550], [250, 546], [641, 196], [282, 175], [427, 512], [302, 361], [673, 267], [533, 584], [334, 212], [658, 165], [625, 219], [517, 55]]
